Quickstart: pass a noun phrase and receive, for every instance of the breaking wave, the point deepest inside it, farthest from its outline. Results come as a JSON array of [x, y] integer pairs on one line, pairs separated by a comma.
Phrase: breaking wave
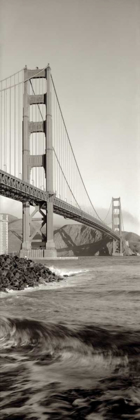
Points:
[[19, 333], [51, 371], [67, 273], [43, 285]]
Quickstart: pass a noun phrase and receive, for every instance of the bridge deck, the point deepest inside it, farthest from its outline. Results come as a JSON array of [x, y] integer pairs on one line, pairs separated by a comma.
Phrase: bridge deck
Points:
[[19, 190]]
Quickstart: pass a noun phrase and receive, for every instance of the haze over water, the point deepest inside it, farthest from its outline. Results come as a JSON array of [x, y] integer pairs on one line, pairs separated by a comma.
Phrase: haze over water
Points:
[[71, 350]]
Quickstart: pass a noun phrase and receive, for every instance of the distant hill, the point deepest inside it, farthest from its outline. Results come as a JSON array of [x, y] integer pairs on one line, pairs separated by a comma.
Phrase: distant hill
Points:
[[76, 239], [130, 236], [81, 240], [134, 241]]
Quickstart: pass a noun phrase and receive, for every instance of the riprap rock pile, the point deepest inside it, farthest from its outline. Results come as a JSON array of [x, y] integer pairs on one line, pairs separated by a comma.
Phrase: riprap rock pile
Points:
[[18, 273]]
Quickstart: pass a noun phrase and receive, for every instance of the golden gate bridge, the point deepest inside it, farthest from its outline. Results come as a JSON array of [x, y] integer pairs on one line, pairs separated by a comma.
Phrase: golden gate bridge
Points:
[[38, 166]]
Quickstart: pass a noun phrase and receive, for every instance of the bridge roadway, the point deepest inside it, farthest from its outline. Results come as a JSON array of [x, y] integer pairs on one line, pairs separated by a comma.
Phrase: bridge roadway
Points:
[[19, 190]]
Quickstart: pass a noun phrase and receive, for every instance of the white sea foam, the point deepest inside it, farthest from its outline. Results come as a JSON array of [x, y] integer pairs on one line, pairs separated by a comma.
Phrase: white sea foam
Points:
[[66, 281], [67, 273]]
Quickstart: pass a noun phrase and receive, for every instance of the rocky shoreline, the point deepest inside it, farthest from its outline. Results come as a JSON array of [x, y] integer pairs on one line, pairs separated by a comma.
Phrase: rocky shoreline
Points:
[[18, 273]]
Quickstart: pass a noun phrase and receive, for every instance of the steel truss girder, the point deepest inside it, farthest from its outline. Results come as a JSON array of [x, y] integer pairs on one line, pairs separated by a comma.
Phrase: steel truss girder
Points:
[[17, 189], [38, 229], [68, 211]]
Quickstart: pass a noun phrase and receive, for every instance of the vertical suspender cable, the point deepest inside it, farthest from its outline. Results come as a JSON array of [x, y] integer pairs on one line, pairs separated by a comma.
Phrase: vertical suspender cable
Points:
[[62, 161], [53, 136], [57, 139], [10, 127], [64, 164], [56, 150], [18, 127], [36, 135], [14, 128], [17, 117], [31, 140], [5, 159], [35, 142], [4, 130], [42, 136], [54, 127], [44, 141], [1, 128], [22, 92], [55, 145], [43, 170], [60, 156]]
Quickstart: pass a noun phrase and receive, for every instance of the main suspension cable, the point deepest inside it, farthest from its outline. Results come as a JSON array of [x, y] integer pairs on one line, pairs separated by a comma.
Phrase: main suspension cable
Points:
[[23, 81], [73, 152], [107, 212]]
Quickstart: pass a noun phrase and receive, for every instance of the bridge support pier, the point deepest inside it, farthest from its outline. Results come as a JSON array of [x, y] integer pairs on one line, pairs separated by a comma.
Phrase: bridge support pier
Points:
[[45, 242], [26, 243], [50, 250], [117, 250]]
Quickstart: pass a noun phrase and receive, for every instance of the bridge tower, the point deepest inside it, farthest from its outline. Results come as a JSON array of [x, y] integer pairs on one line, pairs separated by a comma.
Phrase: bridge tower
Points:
[[116, 226], [30, 161]]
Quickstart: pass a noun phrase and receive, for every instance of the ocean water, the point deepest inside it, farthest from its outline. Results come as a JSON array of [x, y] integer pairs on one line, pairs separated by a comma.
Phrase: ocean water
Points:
[[71, 350]]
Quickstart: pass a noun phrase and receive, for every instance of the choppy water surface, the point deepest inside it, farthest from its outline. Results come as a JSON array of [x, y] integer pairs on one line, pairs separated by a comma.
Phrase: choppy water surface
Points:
[[71, 350]]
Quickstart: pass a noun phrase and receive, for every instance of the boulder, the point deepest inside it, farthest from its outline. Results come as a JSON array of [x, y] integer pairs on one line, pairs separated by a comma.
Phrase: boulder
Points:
[[18, 273]]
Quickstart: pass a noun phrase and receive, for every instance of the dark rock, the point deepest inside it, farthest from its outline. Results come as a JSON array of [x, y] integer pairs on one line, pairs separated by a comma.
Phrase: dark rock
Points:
[[4, 273], [17, 273]]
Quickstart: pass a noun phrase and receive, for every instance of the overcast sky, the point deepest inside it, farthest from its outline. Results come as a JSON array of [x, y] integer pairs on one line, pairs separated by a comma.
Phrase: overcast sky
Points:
[[93, 47]]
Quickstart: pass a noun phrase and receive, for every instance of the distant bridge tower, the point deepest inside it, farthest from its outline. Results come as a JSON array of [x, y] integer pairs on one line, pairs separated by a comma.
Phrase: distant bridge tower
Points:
[[116, 226], [30, 161]]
